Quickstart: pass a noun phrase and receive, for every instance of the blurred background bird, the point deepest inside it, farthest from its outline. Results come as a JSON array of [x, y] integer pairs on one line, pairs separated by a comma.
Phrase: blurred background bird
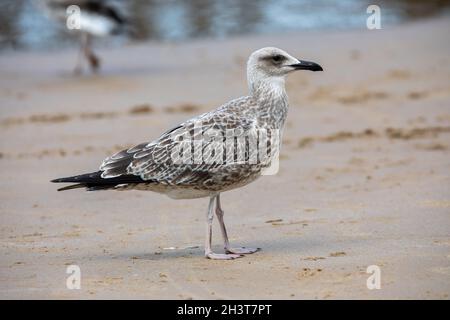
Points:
[[97, 18]]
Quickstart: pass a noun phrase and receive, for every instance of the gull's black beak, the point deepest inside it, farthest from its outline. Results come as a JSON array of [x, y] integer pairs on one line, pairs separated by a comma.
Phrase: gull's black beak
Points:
[[306, 65]]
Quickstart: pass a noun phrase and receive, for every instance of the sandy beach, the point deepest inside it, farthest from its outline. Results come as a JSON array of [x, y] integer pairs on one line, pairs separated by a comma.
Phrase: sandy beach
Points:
[[364, 177]]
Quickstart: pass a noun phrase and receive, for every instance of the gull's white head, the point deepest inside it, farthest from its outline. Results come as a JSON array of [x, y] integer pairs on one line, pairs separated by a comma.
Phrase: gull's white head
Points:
[[273, 64]]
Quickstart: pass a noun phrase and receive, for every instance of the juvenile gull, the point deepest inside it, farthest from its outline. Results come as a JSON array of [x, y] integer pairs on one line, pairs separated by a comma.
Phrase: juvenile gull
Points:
[[156, 166], [97, 18]]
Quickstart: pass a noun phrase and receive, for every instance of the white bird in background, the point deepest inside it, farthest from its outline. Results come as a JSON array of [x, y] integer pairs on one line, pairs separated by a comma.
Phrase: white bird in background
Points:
[[153, 166], [96, 18]]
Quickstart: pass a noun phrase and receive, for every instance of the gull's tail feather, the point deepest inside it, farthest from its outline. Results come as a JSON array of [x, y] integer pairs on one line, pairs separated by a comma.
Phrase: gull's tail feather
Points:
[[93, 181]]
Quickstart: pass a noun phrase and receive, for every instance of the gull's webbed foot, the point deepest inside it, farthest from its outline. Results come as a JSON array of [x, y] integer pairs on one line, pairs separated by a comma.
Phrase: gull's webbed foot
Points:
[[242, 250], [222, 256]]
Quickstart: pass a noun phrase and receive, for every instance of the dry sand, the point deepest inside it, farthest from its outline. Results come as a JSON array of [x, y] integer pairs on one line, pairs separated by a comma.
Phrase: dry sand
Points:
[[364, 179]]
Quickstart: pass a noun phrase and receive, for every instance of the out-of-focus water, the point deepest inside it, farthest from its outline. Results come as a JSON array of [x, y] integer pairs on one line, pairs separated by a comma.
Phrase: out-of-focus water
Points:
[[24, 26]]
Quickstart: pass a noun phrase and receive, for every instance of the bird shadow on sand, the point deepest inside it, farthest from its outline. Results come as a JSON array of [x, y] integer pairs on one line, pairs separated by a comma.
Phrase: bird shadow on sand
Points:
[[269, 248]]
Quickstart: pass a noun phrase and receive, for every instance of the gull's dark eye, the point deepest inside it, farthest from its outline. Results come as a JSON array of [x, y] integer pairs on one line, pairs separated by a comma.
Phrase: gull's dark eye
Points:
[[278, 58]]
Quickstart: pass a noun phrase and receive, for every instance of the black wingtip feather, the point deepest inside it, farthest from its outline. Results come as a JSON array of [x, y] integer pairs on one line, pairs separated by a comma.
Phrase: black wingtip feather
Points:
[[92, 177], [73, 186], [93, 181]]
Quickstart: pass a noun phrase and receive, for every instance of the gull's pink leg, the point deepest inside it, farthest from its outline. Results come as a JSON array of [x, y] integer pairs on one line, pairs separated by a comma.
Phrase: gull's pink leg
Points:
[[238, 250], [208, 251]]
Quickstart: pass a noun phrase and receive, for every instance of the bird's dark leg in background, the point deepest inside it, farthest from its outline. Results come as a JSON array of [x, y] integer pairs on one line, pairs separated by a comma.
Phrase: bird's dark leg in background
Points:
[[228, 249], [94, 61]]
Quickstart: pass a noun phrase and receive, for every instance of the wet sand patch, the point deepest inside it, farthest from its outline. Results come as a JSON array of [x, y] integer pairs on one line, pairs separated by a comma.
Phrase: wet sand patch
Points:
[[390, 133], [139, 110]]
